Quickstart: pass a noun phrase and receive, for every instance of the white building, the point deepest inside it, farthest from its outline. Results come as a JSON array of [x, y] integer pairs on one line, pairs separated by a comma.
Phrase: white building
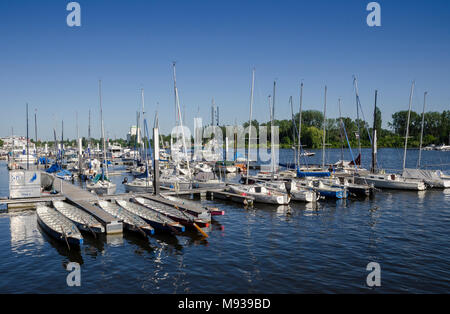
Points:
[[134, 130]]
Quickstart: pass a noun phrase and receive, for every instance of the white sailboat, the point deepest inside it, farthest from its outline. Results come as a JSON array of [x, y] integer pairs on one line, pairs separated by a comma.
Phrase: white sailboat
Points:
[[141, 184], [261, 194], [433, 178], [101, 184], [394, 181]]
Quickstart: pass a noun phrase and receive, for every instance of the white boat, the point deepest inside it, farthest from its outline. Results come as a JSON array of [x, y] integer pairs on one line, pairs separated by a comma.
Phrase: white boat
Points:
[[261, 194], [139, 185], [296, 192], [392, 181], [203, 167], [175, 182], [102, 187], [433, 178]]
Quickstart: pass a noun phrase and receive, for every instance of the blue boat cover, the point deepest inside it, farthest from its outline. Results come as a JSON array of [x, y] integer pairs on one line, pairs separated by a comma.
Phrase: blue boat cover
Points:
[[54, 168]]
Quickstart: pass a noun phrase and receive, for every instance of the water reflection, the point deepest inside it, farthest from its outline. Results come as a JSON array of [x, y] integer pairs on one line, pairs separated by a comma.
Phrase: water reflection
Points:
[[24, 233]]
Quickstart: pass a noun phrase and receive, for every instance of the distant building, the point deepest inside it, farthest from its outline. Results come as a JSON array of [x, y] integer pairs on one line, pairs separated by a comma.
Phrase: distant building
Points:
[[133, 132]]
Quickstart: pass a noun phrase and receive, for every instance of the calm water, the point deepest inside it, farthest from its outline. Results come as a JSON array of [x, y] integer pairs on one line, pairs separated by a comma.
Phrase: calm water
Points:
[[296, 249]]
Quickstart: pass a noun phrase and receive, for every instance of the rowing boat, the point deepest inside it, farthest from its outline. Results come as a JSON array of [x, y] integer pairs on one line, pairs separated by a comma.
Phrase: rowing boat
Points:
[[181, 216], [131, 221], [58, 226], [153, 218], [212, 210], [79, 217]]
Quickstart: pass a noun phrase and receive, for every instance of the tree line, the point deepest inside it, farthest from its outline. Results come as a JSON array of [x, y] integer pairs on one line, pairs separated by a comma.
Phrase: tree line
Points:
[[436, 131]]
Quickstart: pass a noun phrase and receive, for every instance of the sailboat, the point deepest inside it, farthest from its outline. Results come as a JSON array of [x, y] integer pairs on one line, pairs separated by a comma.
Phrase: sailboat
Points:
[[141, 184], [101, 184], [303, 173], [433, 178], [393, 181]]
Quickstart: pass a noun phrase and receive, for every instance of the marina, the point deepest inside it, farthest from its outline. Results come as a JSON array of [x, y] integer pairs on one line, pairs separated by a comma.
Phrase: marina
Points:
[[222, 148]]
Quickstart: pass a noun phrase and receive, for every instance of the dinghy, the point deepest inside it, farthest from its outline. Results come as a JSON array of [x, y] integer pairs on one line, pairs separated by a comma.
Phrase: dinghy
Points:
[[155, 219], [79, 217], [101, 187], [296, 192], [58, 226], [131, 221], [261, 194], [139, 185]]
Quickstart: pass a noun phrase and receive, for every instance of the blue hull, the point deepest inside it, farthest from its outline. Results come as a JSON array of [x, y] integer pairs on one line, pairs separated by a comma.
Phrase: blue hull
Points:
[[333, 194], [164, 228], [317, 174]]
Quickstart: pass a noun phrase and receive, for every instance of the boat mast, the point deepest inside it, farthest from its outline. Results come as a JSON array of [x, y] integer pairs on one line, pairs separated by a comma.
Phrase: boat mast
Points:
[[342, 137], [250, 125], [103, 130], [407, 124], [421, 131], [143, 137], [300, 127], [324, 128], [374, 142], [357, 114], [35, 126], [293, 129], [28, 148], [272, 140], [177, 103]]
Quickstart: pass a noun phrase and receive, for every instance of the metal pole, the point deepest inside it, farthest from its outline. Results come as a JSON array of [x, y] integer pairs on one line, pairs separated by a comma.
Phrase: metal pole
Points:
[[250, 126], [421, 131], [357, 115], [28, 148], [407, 125], [300, 127], [156, 161], [374, 144], [324, 127]]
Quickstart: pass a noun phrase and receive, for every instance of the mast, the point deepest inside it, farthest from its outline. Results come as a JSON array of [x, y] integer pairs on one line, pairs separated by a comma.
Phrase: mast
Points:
[[357, 114], [35, 127], [143, 137], [374, 142], [272, 140], [175, 92], [28, 148], [177, 102], [324, 128], [407, 124], [103, 130], [300, 127], [341, 135], [293, 129], [250, 125], [421, 131], [62, 140]]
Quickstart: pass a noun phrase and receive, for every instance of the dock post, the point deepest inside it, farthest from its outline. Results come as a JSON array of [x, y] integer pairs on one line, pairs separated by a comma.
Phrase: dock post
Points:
[[156, 161]]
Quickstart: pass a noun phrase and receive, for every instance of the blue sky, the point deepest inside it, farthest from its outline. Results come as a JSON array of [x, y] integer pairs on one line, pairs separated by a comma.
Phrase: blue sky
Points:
[[131, 45]]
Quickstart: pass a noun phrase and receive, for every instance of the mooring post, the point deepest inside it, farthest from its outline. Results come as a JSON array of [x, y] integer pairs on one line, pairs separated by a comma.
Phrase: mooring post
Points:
[[156, 161]]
